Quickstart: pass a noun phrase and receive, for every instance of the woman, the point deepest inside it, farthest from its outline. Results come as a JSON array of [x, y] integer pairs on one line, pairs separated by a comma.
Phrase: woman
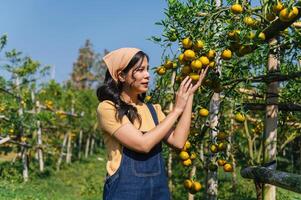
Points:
[[133, 130]]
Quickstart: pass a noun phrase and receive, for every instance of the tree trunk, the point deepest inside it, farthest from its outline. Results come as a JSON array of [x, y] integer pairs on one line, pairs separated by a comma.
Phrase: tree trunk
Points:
[[69, 148], [87, 146], [271, 117], [192, 173], [80, 139], [212, 182], [92, 145], [39, 137], [25, 163], [62, 152]]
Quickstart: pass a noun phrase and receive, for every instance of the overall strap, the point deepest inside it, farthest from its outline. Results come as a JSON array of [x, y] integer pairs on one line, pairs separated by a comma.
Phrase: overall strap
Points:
[[153, 112]]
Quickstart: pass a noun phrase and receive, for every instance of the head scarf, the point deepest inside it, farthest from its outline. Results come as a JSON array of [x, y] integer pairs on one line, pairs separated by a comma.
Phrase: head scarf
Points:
[[118, 59]]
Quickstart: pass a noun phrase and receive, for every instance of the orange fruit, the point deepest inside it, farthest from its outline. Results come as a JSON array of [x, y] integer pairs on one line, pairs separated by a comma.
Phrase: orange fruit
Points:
[[261, 36], [199, 45], [189, 54], [147, 98], [240, 117], [184, 155], [228, 167], [234, 34], [236, 9], [187, 145], [251, 35], [161, 71], [222, 146], [188, 183], [196, 186], [194, 76], [196, 64], [211, 54], [278, 7], [181, 58], [212, 64], [205, 61], [168, 64], [249, 21], [193, 155], [221, 162], [287, 16], [187, 162], [226, 54], [187, 43], [213, 148], [203, 112], [186, 70]]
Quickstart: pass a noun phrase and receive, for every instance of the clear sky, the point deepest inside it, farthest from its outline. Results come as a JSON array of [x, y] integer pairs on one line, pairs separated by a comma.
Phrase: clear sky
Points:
[[52, 31]]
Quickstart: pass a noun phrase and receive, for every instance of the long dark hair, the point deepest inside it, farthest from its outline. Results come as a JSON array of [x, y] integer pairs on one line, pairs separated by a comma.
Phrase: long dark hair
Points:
[[112, 91]]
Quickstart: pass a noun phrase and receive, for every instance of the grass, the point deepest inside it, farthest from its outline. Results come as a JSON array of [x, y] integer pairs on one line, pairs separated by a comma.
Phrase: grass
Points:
[[82, 180]]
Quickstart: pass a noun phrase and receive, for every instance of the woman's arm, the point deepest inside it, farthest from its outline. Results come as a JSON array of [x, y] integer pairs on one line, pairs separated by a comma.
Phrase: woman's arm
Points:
[[132, 138], [178, 135]]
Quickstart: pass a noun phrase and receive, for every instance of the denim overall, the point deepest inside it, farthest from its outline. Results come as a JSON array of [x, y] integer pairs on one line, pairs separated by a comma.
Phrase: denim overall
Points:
[[140, 176]]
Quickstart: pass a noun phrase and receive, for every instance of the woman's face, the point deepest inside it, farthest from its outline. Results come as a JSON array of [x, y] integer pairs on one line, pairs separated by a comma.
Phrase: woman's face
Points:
[[137, 79]]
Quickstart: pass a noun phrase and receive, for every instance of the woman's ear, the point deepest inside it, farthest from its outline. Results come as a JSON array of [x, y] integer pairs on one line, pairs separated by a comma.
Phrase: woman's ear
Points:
[[121, 76]]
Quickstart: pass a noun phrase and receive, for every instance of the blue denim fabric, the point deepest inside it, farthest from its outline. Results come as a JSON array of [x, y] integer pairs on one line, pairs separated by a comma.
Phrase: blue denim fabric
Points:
[[140, 175]]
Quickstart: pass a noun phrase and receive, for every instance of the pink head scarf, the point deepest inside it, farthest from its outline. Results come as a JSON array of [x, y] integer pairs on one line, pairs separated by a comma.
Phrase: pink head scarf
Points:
[[118, 59]]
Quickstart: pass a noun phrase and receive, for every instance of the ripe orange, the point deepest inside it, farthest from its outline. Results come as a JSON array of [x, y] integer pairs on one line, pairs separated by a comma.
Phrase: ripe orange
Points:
[[236, 9], [211, 54], [194, 76], [228, 167], [196, 64], [240, 117], [278, 7], [203, 112], [205, 61], [261, 36], [147, 98], [222, 146], [212, 64], [187, 145], [168, 64], [199, 45], [193, 155], [189, 54], [221, 162], [196, 186], [181, 58], [188, 183], [161, 70], [184, 155], [187, 43], [226, 54], [187, 162], [287, 16], [213, 148], [249, 21]]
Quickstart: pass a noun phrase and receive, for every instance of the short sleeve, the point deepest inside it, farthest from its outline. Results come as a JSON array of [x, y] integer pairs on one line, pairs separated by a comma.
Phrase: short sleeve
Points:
[[106, 117], [160, 113]]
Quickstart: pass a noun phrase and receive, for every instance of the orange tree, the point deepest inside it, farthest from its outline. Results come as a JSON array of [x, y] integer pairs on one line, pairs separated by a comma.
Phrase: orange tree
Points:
[[234, 41], [42, 124]]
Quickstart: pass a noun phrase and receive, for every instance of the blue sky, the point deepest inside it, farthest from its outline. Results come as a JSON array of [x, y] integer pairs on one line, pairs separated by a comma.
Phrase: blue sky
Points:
[[52, 31]]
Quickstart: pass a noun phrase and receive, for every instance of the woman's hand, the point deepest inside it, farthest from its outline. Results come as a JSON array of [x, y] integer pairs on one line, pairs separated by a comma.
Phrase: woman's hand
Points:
[[198, 84], [183, 94]]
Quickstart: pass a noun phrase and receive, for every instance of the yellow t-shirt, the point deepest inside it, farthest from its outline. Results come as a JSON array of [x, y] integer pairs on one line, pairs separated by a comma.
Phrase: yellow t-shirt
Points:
[[109, 125]]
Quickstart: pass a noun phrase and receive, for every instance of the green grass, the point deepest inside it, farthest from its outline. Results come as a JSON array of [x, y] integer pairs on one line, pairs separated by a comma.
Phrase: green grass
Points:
[[82, 180]]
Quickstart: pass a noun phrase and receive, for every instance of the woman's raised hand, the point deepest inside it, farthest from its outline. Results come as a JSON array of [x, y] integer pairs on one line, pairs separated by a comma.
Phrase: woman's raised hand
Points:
[[198, 84], [182, 94]]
